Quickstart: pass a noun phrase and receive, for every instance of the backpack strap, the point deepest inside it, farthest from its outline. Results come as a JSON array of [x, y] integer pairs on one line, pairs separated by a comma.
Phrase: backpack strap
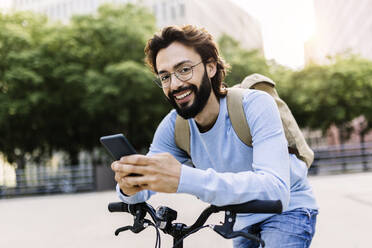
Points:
[[182, 134], [237, 115]]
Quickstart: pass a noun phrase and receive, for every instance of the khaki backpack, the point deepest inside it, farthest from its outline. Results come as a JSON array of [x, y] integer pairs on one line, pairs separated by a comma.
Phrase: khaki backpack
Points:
[[296, 142]]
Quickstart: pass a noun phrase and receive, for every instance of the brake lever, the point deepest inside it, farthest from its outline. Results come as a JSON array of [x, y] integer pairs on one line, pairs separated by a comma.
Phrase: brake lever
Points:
[[122, 229], [137, 227], [248, 236], [139, 224], [226, 229]]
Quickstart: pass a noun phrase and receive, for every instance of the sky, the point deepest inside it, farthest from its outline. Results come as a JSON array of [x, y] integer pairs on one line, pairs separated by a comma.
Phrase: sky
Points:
[[4, 3], [285, 25]]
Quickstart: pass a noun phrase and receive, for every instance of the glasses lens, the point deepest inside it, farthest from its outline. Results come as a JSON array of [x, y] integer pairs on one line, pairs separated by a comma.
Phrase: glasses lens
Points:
[[164, 80], [184, 73]]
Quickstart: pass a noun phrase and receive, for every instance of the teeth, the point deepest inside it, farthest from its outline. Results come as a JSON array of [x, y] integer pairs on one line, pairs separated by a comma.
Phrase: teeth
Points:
[[183, 95]]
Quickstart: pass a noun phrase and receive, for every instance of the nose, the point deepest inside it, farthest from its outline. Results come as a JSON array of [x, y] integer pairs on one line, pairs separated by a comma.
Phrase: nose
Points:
[[175, 82]]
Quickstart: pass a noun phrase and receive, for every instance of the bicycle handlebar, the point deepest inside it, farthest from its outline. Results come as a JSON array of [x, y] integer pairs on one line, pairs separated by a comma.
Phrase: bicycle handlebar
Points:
[[164, 216], [254, 207], [118, 207]]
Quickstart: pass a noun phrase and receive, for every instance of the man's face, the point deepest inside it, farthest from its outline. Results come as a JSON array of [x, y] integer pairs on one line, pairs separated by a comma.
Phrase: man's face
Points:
[[187, 97]]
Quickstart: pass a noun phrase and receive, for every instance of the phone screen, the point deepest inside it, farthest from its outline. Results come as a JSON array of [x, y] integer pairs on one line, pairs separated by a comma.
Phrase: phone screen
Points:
[[118, 146]]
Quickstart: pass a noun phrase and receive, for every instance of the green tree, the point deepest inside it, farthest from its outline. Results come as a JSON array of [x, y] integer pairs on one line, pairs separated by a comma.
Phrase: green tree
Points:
[[104, 52], [336, 93], [354, 73], [318, 95], [63, 86], [19, 83], [242, 61]]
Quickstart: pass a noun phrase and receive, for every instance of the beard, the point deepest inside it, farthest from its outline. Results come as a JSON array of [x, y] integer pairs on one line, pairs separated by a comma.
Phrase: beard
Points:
[[200, 100]]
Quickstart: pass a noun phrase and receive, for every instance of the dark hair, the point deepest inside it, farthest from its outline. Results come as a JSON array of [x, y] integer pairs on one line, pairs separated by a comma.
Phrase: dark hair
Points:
[[197, 38]]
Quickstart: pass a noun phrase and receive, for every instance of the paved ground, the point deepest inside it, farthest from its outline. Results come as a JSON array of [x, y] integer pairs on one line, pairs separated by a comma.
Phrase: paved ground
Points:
[[345, 210], [81, 220]]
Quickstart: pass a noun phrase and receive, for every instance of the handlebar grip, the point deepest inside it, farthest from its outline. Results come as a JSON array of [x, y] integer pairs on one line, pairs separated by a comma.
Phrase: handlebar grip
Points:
[[118, 207], [255, 206]]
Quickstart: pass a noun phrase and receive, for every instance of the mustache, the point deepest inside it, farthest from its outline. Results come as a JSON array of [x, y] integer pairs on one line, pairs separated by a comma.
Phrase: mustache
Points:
[[191, 87]]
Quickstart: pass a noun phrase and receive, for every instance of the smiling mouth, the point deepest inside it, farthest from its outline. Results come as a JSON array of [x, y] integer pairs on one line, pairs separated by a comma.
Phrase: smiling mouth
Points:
[[182, 96]]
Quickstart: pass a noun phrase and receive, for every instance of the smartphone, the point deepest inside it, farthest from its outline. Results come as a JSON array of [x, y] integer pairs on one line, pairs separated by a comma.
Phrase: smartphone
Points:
[[118, 146]]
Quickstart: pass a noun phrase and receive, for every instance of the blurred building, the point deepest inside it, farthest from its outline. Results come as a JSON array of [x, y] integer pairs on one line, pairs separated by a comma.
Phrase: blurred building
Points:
[[341, 26], [3, 6], [217, 16], [61, 9]]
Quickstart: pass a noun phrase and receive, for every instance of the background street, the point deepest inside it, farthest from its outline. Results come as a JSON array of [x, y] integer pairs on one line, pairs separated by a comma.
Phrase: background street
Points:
[[82, 220]]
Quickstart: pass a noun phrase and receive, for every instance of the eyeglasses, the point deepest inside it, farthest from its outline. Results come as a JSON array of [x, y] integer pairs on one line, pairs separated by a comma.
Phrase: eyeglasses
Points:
[[183, 73]]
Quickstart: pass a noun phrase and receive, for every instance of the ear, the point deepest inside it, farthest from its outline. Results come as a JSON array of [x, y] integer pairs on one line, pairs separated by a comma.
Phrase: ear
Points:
[[211, 68]]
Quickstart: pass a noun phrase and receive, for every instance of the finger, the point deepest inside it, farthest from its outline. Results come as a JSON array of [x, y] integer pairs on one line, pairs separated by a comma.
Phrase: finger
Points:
[[117, 178], [124, 183], [126, 169], [113, 165], [138, 180], [121, 180], [119, 167], [131, 190], [136, 159], [122, 174], [122, 168]]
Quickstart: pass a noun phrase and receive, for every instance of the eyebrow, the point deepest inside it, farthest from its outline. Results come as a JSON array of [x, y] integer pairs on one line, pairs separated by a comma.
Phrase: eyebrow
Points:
[[176, 65]]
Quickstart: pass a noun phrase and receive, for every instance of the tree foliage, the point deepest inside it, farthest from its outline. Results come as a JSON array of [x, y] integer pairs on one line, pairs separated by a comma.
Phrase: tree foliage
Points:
[[336, 93], [64, 86], [318, 95], [20, 85], [242, 61]]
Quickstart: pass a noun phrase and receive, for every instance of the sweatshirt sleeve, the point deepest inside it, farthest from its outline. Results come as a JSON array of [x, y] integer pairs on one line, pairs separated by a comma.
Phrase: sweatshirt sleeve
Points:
[[269, 179]]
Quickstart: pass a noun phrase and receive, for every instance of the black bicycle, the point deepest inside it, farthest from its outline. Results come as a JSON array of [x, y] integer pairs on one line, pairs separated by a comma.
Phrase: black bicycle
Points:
[[163, 218]]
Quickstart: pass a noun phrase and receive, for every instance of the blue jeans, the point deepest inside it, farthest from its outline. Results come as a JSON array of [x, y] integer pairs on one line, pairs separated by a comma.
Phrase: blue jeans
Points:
[[294, 229]]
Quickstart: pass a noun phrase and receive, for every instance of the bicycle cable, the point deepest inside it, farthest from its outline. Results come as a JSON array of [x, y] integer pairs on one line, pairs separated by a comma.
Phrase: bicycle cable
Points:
[[194, 231], [158, 238]]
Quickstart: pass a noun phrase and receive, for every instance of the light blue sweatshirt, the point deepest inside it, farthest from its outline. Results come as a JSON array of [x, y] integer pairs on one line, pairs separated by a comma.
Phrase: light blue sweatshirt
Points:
[[229, 172]]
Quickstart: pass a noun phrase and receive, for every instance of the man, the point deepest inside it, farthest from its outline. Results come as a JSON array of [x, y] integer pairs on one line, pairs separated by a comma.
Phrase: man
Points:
[[226, 171]]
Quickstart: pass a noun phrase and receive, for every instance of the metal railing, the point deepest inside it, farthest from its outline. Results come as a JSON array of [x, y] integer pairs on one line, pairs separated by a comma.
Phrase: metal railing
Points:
[[45, 180], [343, 158], [68, 179]]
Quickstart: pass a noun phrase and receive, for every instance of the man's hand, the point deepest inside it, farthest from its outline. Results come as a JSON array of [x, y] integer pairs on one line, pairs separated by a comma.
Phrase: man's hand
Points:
[[160, 172], [120, 178]]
